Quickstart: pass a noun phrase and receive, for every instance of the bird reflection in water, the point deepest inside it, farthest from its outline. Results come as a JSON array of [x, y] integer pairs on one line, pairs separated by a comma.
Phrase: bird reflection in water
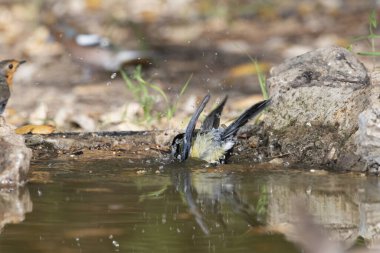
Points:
[[205, 205]]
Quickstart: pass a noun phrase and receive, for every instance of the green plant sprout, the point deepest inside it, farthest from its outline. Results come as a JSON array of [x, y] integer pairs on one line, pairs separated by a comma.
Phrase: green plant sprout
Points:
[[261, 77], [139, 90], [142, 92], [262, 81], [371, 37]]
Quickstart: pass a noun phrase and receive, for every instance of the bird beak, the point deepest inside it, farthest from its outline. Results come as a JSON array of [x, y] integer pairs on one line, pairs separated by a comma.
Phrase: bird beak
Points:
[[21, 62]]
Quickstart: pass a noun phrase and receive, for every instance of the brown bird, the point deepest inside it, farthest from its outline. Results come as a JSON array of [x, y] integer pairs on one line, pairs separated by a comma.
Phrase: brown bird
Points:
[[7, 70]]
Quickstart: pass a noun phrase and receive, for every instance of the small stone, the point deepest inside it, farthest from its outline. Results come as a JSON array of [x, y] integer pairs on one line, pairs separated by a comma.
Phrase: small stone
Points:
[[277, 161], [254, 141], [85, 122], [141, 172]]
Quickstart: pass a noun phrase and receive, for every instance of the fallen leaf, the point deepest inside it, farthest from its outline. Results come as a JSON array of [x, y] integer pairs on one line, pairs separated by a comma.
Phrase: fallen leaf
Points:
[[93, 4], [35, 129], [247, 69]]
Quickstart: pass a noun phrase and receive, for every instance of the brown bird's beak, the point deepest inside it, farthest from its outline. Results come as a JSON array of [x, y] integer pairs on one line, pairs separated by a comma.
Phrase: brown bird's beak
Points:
[[21, 62]]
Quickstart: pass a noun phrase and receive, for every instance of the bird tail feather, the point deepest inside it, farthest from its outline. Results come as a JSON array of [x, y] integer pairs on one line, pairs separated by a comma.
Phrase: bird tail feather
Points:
[[213, 119], [253, 111], [190, 128]]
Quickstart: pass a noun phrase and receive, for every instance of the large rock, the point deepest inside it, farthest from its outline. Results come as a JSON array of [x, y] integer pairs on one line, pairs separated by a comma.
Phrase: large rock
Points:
[[317, 98], [14, 157], [368, 137]]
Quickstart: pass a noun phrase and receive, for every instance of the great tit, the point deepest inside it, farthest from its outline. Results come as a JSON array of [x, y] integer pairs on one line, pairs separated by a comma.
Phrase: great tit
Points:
[[211, 143]]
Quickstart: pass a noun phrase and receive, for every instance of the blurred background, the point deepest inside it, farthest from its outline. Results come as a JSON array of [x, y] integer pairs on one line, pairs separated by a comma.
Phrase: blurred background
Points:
[[171, 52]]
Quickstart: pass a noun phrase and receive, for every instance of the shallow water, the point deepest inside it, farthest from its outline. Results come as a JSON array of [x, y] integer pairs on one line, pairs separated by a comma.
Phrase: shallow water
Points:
[[115, 206]]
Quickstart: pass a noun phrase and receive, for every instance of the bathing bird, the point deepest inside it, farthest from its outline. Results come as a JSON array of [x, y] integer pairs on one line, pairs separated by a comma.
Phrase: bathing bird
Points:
[[211, 143], [7, 70]]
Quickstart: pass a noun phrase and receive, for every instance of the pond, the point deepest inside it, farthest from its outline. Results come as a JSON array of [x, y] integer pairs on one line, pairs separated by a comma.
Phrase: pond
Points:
[[125, 205]]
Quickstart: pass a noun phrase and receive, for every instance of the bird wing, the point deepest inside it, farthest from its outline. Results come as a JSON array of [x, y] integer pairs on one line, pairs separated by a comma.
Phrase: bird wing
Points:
[[254, 110], [190, 128], [4, 95], [213, 119]]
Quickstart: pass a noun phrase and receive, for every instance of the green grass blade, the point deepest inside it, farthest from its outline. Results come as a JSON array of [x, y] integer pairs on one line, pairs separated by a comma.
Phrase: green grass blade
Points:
[[262, 81], [160, 91], [128, 83], [373, 19], [184, 87], [369, 53], [359, 38], [373, 36]]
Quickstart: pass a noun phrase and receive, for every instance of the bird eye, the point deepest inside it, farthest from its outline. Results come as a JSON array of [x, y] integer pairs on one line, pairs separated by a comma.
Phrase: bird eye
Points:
[[10, 66]]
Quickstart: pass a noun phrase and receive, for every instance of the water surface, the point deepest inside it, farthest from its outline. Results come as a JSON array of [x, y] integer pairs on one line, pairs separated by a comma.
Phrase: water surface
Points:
[[123, 205]]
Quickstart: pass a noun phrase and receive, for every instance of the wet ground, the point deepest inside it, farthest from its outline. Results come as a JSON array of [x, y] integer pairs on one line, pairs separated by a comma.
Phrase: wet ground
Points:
[[125, 205]]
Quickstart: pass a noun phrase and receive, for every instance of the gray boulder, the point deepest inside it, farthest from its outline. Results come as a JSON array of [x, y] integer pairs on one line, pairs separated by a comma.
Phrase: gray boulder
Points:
[[317, 98], [14, 157], [368, 136]]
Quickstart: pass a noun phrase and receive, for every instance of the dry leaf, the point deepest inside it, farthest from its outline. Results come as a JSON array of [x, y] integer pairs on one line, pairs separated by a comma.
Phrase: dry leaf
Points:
[[35, 129], [93, 4], [247, 69]]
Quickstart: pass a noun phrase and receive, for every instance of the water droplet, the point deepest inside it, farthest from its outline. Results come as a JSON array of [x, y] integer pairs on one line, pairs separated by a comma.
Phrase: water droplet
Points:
[[114, 75], [115, 243]]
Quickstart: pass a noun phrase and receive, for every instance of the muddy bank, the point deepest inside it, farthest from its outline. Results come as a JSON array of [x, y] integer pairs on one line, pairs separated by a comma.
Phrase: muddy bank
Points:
[[313, 120], [101, 145]]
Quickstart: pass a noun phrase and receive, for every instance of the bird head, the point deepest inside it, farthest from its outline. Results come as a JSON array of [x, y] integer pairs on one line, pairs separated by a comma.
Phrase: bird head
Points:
[[177, 146], [8, 68]]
